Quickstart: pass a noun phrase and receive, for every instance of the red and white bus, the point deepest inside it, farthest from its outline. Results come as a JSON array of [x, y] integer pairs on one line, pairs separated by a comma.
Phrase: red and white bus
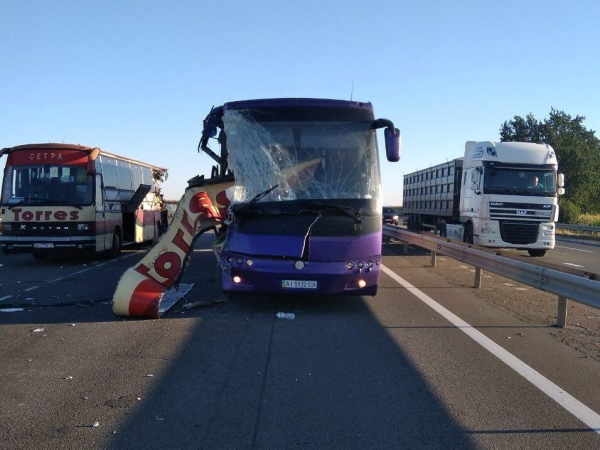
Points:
[[63, 197]]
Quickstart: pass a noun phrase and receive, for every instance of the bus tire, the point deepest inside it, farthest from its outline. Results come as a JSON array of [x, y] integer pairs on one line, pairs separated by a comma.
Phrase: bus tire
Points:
[[536, 252], [116, 244]]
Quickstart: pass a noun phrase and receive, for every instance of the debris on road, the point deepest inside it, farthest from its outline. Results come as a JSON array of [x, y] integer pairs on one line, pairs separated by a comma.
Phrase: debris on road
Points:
[[288, 316]]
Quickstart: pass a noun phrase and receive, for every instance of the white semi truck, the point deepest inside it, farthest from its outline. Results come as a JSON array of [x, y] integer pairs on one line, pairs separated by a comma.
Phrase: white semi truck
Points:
[[500, 194]]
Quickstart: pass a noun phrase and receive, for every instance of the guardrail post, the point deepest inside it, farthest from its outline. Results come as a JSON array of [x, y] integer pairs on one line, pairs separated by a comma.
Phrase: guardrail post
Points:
[[477, 277], [433, 258], [562, 311]]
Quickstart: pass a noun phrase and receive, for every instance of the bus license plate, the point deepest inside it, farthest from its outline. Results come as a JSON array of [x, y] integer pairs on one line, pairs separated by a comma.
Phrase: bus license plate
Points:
[[37, 245], [299, 284]]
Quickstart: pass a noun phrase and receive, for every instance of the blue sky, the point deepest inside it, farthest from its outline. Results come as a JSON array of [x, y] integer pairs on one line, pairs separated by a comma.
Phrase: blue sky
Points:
[[138, 77]]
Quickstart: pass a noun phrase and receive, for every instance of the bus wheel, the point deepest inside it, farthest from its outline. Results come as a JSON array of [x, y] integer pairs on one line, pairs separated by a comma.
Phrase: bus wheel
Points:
[[536, 252], [40, 256], [116, 244], [468, 233]]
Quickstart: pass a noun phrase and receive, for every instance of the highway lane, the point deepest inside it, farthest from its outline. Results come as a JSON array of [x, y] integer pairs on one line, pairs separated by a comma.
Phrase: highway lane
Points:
[[378, 372], [576, 252]]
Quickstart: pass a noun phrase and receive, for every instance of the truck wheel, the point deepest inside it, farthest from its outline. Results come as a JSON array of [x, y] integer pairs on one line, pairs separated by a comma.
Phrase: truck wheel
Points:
[[468, 238], [536, 253], [419, 226]]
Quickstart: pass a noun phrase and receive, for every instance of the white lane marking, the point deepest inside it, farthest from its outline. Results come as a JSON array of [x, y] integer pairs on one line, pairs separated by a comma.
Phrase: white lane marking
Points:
[[30, 288], [6, 297], [567, 401], [577, 249], [571, 264]]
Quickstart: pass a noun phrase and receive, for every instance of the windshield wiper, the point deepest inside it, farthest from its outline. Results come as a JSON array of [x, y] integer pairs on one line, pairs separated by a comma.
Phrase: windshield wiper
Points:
[[46, 201], [27, 202], [257, 197]]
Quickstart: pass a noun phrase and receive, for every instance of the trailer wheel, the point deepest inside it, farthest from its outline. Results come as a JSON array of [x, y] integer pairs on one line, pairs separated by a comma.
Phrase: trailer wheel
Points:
[[536, 253], [116, 244], [443, 232], [468, 238]]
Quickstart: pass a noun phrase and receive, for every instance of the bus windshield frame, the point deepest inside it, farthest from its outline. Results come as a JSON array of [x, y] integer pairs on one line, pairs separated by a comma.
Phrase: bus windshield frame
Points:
[[47, 184]]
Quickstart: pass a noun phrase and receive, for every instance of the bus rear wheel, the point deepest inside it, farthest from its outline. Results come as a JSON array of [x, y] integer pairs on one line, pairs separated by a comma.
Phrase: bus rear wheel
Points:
[[536, 253], [116, 244]]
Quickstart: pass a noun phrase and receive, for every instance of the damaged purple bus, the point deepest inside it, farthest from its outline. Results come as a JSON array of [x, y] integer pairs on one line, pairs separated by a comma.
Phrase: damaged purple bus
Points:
[[304, 214]]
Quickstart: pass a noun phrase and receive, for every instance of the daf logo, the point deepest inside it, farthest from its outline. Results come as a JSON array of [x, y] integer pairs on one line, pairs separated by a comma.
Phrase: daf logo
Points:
[[496, 204], [547, 206], [521, 212]]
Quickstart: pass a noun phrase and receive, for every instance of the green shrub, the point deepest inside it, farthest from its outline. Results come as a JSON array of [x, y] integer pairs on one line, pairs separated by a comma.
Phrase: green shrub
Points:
[[568, 212]]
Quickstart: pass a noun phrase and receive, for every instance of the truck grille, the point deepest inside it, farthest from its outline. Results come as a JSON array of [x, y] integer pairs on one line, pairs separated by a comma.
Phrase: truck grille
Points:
[[521, 211], [519, 232]]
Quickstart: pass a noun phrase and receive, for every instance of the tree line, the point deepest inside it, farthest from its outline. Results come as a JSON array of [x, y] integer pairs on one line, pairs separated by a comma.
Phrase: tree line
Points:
[[578, 153]]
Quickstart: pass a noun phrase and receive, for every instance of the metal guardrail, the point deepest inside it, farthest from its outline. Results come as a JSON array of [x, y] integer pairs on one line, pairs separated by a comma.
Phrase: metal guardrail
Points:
[[580, 228], [566, 286]]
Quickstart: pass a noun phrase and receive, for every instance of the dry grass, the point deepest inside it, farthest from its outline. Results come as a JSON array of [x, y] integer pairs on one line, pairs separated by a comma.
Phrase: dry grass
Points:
[[590, 220]]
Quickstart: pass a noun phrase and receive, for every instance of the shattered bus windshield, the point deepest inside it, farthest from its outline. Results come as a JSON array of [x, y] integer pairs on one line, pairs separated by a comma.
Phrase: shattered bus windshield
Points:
[[47, 184], [305, 160]]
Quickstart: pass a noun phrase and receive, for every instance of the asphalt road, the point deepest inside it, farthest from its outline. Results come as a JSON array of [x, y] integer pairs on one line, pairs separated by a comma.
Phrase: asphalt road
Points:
[[421, 365]]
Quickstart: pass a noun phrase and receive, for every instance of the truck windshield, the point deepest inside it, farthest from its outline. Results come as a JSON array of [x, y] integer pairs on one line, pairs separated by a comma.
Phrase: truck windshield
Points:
[[540, 182], [46, 184], [306, 160]]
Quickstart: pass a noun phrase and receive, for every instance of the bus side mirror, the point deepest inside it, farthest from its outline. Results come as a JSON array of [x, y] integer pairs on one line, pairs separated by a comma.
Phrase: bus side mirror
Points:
[[393, 143]]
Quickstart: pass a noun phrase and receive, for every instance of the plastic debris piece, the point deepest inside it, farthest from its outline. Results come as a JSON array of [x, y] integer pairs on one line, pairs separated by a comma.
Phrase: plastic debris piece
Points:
[[37, 330], [160, 418], [96, 424], [70, 377], [149, 375], [288, 316]]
